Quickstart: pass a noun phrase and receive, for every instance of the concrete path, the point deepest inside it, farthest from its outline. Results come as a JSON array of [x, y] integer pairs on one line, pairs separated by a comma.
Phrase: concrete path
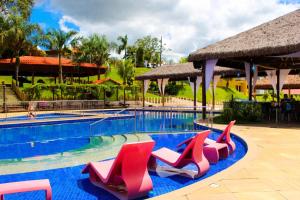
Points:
[[174, 102]]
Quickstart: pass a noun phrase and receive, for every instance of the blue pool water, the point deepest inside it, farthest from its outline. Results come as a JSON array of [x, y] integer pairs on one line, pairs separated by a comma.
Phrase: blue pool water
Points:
[[69, 183], [41, 116], [48, 138], [41, 148]]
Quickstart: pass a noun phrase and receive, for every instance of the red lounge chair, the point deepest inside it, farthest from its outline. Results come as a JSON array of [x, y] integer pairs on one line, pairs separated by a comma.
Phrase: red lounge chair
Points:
[[126, 176], [219, 149], [193, 153], [224, 138], [26, 186]]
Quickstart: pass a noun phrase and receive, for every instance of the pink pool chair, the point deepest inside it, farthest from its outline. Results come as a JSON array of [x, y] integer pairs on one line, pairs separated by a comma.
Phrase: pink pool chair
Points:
[[224, 138], [126, 176], [219, 149], [26, 186], [192, 154]]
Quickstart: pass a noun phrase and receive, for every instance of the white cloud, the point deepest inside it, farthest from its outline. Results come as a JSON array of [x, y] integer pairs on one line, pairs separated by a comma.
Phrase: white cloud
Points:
[[66, 19], [185, 25]]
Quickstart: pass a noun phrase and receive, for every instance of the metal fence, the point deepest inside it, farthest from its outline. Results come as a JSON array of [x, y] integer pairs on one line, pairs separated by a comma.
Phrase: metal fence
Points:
[[165, 120]]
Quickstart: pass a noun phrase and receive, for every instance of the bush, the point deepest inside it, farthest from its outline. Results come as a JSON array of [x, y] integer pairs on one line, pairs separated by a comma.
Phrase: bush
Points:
[[172, 88], [242, 112]]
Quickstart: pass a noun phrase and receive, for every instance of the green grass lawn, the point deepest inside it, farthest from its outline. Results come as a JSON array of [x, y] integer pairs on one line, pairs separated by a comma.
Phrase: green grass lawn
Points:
[[221, 94], [6, 79]]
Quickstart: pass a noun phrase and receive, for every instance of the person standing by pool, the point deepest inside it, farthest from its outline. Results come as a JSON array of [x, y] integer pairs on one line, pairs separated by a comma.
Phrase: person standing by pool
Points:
[[286, 107], [293, 111]]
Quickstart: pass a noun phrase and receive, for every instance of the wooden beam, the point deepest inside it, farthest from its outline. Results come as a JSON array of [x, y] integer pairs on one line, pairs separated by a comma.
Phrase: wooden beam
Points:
[[143, 93], [32, 78], [213, 92], [250, 82], [195, 94], [278, 85], [162, 92], [203, 92]]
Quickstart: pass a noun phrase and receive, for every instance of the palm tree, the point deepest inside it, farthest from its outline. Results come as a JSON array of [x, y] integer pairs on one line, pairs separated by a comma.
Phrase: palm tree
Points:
[[59, 41], [96, 49], [21, 36], [123, 45], [126, 71]]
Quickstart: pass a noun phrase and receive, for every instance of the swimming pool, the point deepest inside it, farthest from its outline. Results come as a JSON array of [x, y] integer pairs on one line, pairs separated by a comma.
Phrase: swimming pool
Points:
[[69, 183], [41, 116]]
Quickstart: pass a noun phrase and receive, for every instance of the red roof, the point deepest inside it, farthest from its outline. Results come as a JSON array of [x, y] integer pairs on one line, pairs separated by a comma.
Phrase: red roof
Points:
[[105, 80], [35, 60], [293, 91]]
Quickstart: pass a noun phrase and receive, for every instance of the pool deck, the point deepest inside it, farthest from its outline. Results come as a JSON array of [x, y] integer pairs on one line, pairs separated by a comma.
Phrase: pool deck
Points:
[[270, 170]]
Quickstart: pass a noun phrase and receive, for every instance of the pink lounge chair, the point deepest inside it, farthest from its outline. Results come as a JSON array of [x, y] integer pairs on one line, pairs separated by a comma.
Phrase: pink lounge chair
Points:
[[219, 149], [126, 176], [193, 153], [224, 138], [26, 186]]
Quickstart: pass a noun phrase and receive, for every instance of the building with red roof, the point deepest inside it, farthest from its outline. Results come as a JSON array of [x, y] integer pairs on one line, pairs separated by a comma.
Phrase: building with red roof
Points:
[[48, 66]]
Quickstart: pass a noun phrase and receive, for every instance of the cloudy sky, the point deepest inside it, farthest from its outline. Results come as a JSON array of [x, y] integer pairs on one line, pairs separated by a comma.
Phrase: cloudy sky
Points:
[[185, 25]]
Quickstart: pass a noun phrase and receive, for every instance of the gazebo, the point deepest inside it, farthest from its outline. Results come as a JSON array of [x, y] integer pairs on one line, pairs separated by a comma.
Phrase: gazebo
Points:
[[48, 66], [273, 47], [185, 71]]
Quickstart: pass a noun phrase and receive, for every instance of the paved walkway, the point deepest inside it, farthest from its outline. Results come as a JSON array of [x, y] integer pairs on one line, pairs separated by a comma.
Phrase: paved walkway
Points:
[[270, 170], [174, 102]]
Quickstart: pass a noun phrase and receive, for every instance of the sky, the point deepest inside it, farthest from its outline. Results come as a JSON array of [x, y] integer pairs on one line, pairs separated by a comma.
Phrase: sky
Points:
[[185, 25]]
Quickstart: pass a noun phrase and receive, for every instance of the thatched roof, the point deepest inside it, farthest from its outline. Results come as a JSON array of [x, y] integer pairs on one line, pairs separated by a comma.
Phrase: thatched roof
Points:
[[280, 36], [183, 71], [292, 82]]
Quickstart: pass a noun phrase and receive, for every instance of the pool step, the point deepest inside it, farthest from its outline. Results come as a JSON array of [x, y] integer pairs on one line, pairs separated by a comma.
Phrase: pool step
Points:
[[118, 140], [143, 137], [131, 138]]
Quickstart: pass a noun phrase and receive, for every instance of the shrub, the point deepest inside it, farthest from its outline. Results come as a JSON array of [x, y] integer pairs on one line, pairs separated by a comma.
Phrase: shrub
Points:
[[172, 88], [242, 111]]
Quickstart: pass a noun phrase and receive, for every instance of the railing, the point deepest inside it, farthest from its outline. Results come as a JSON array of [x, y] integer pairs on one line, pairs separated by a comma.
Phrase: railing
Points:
[[134, 121], [92, 125], [191, 109], [22, 106], [84, 109], [169, 100]]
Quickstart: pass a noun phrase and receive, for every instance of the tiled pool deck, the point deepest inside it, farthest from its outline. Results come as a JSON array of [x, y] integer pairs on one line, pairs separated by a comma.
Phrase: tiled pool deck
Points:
[[270, 170]]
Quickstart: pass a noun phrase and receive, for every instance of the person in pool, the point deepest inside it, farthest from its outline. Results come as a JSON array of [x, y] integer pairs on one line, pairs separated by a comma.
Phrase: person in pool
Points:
[[31, 114]]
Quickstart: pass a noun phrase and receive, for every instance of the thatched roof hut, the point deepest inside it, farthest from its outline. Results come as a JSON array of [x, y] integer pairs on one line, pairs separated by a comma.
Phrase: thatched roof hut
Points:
[[259, 45], [183, 71], [292, 82]]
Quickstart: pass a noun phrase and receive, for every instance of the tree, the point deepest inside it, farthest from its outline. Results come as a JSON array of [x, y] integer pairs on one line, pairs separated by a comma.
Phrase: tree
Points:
[[20, 8], [126, 71], [21, 36], [140, 57], [96, 49], [16, 33], [131, 53], [151, 48], [123, 45], [183, 60], [59, 41]]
